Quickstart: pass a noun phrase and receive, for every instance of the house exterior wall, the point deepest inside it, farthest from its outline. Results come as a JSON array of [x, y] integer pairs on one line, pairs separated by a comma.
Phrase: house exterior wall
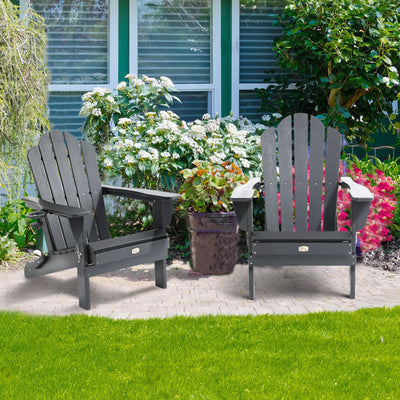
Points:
[[240, 37]]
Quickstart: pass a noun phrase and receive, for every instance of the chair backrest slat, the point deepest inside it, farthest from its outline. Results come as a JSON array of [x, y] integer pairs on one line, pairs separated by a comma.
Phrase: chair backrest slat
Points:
[[300, 130], [56, 239], [268, 145], [93, 176], [317, 135], [314, 147], [56, 185], [286, 173], [65, 172], [333, 149], [81, 182]]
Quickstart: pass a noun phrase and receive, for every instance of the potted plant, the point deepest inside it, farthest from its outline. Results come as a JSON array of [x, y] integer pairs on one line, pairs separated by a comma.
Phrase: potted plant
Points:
[[213, 229]]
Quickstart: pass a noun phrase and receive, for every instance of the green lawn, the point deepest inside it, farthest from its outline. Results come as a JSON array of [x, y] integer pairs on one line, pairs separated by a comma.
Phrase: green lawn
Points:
[[316, 356]]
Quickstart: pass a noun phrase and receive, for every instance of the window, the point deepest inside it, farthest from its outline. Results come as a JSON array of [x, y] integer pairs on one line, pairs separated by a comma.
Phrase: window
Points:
[[254, 39], [97, 42], [80, 54], [179, 39]]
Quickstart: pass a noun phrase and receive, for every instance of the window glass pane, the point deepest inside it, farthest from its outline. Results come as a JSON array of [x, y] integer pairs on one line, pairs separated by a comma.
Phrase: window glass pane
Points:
[[64, 110], [77, 33], [194, 105], [249, 105], [257, 34], [174, 39]]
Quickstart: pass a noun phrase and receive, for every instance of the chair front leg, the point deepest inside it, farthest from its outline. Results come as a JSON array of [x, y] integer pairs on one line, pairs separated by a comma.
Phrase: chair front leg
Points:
[[161, 273]]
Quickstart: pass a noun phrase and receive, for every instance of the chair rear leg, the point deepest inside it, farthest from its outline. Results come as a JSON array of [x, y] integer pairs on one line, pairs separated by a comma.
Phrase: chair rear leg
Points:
[[352, 281], [161, 273], [83, 287], [251, 281]]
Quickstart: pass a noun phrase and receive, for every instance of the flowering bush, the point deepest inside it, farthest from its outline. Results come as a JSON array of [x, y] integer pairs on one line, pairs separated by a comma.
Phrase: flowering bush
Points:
[[208, 187], [380, 216], [103, 109]]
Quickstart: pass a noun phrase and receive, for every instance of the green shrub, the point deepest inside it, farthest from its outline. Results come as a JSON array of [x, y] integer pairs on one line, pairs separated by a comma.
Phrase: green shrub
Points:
[[342, 58]]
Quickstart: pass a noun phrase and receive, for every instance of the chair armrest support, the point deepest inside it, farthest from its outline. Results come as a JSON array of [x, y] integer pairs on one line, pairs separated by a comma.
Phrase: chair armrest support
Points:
[[361, 199], [53, 208], [139, 194], [242, 199]]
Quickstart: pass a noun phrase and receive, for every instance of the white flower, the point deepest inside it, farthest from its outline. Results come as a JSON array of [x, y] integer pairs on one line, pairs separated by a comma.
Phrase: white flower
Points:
[[212, 126], [164, 115], [110, 99], [166, 82], [239, 151], [87, 96], [151, 132], [101, 91], [220, 155], [260, 127], [215, 160], [129, 159], [128, 143], [131, 76], [175, 156], [143, 154], [165, 154], [153, 154], [121, 85], [245, 163], [206, 116], [108, 163], [138, 145], [199, 131], [231, 128], [123, 121], [277, 115], [96, 112], [155, 140], [86, 108], [266, 117], [122, 131]]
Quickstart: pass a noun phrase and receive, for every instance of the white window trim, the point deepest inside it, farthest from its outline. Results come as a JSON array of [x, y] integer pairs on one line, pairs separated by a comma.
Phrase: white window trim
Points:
[[214, 86], [112, 54]]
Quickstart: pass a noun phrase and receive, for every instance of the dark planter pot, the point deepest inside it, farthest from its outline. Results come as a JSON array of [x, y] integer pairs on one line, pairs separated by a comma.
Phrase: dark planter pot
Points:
[[214, 242]]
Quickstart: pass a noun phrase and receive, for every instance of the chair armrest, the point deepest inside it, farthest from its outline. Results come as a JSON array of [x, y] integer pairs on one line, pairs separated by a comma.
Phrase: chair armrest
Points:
[[361, 199], [242, 199], [53, 208], [163, 202], [245, 192], [139, 194], [356, 191]]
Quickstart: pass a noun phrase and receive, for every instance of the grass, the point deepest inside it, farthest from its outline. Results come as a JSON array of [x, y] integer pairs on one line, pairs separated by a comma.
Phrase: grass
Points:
[[316, 356]]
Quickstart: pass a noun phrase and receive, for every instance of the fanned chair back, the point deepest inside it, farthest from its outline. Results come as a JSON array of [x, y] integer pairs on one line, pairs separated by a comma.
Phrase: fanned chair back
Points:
[[303, 195], [65, 172]]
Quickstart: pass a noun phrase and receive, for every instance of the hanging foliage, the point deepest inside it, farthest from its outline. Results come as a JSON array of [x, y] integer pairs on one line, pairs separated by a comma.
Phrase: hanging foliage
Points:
[[23, 92]]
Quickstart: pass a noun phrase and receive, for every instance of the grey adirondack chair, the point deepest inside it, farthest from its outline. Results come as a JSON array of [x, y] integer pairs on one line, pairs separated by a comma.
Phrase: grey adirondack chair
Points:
[[72, 214], [293, 235]]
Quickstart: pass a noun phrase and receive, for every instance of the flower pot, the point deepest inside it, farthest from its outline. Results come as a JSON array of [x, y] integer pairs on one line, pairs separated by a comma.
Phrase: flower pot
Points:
[[214, 242]]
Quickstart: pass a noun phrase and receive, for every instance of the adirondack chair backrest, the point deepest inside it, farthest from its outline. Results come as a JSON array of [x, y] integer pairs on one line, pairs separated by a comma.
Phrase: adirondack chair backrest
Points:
[[309, 196], [65, 172]]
